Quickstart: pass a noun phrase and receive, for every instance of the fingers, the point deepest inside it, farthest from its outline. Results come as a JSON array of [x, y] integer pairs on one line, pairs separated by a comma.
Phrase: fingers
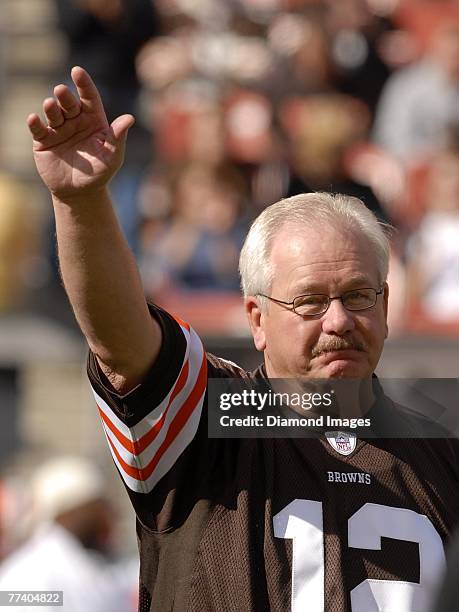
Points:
[[68, 103], [120, 127], [116, 137], [65, 106], [87, 91], [57, 110], [53, 113], [36, 126]]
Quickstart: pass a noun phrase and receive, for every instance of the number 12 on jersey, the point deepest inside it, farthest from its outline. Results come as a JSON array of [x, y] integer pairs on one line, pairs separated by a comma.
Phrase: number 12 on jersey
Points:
[[302, 522]]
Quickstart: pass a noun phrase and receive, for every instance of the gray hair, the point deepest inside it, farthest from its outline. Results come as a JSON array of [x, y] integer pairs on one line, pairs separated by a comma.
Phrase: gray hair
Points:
[[338, 210]]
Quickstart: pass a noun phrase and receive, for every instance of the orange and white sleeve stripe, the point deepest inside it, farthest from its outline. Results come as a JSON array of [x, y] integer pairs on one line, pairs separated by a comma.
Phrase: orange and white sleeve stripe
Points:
[[145, 452]]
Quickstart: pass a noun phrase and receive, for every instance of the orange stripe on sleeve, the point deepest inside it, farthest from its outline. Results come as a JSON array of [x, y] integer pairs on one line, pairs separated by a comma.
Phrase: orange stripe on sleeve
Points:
[[136, 447], [134, 472], [147, 438], [180, 419], [182, 323], [126, 442], [174, 429]]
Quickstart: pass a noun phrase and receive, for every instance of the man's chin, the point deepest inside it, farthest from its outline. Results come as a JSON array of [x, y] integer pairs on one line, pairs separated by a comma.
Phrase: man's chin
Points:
[[355, 366], [339, 369]]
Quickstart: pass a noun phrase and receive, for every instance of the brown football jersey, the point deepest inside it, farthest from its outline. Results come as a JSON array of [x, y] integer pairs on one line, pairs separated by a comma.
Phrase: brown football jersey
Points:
[[239, 525]]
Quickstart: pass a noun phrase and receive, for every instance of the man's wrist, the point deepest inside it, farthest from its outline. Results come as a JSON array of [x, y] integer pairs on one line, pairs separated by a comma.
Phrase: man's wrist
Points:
[[79, 201]]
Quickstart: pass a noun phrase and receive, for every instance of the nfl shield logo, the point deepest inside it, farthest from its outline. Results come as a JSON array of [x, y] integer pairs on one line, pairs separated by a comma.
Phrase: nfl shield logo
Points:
[[344, 443]]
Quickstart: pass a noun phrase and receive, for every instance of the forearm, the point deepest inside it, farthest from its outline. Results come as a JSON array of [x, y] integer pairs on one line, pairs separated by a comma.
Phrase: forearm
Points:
[[103, 284]]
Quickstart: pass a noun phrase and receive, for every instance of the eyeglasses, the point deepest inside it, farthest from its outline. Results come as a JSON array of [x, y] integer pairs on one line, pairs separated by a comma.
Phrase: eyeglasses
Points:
[[316, 303]]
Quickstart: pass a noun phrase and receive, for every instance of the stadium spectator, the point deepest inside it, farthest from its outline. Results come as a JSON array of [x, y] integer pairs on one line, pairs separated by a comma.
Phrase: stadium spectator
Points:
[[199, 248], [17, 241], [421, 101], [433, 248], [69, 549], [14, 516], [355, 33], [320, 131], [303, 63], [216, 516]]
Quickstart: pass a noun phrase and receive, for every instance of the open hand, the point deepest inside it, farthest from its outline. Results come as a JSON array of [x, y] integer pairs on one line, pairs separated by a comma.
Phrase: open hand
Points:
[[77, 152]]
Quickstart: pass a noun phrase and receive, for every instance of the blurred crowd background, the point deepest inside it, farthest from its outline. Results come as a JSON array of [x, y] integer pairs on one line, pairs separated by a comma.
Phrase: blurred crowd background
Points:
[[238, 103]]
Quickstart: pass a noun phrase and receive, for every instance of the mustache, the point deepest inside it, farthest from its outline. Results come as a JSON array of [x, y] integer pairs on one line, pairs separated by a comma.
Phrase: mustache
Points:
[[337, 344]]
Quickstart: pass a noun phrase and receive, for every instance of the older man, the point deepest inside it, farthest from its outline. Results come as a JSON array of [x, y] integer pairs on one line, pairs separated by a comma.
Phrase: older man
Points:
[[247, 524]]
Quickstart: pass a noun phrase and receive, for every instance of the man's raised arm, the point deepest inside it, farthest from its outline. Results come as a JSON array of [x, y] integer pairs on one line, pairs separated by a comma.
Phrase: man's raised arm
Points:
[[76, 153]]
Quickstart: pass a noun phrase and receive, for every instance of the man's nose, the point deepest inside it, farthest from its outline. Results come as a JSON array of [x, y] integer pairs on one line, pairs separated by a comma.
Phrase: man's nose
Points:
[[337, 320]]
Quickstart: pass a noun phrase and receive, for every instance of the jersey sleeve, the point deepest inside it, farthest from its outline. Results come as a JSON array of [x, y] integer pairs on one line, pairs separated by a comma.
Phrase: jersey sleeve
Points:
[[149, 428]]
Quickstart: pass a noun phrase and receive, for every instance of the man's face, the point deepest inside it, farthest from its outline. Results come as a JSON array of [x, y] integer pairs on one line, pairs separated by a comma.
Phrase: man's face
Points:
[[338, 343]]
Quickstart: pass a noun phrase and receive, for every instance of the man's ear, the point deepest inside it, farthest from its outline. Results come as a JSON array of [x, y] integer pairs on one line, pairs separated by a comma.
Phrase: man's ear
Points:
[[255, 317], [386, 305]]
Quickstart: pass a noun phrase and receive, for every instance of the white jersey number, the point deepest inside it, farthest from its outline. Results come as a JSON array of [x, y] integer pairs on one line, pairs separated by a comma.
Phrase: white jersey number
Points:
[[302, 522]]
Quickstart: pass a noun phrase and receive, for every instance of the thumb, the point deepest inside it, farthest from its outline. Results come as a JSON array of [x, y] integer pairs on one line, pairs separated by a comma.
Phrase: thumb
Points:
[[120, 127]]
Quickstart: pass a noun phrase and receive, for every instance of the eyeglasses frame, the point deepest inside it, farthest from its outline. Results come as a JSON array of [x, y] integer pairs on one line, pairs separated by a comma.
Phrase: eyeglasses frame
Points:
[[330, 300]]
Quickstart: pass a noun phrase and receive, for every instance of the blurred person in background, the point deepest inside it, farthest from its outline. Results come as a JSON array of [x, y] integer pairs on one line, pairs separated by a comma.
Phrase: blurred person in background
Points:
[[433, 248], [70, 548], [302, 62], [17, 241], [321, 130], [14, 516], [199, 248], [355, 31], [196, 246], [420, 102]]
